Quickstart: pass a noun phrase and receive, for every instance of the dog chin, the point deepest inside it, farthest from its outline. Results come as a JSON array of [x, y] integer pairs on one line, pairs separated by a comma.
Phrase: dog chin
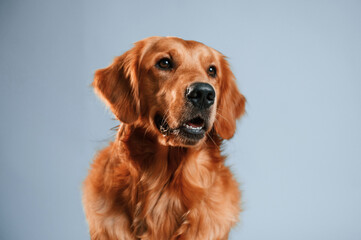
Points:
[[179, 141], [189, 136]]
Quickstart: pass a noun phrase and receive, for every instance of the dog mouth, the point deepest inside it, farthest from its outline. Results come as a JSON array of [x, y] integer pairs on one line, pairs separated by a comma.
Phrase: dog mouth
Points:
[[194, 125], [191, 130]]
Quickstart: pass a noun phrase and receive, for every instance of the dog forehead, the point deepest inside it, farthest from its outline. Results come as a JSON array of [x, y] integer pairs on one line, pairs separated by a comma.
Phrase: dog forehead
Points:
[[179, 48]]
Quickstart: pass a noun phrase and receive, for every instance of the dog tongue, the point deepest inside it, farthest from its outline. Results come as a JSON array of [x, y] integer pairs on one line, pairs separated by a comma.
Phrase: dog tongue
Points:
[[195, 125]]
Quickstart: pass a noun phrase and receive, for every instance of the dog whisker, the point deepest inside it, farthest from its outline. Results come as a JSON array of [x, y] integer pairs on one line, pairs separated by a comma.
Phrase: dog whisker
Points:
[[211, 139], [218, 114]]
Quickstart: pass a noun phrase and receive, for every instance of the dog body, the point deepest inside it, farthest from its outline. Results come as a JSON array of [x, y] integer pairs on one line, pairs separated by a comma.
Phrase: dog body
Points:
[[164, 176]]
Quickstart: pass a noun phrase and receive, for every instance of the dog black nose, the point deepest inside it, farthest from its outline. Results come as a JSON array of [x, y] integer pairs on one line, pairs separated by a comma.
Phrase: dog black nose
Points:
[[201, 95]]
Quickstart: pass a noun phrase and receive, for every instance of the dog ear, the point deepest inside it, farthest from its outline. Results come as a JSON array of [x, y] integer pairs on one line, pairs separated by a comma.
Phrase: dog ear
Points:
[[231, 103], [117, 85]]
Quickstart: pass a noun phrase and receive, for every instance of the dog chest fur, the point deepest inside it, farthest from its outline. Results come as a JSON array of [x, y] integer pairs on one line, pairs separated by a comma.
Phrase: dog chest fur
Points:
[[138, 188]]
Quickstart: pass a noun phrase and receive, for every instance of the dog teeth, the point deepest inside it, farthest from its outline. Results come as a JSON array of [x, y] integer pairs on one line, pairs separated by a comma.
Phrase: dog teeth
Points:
[[191, 127]]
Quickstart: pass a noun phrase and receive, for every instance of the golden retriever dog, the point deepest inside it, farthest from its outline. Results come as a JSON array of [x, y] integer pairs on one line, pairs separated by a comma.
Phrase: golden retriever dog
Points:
[[164, 175]]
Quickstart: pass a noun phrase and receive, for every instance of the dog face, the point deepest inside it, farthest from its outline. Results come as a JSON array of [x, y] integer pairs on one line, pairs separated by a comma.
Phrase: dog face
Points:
[[177, 90]]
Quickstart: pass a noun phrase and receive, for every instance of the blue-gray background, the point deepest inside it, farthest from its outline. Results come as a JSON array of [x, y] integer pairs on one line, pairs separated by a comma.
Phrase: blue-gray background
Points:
[[297, 151]]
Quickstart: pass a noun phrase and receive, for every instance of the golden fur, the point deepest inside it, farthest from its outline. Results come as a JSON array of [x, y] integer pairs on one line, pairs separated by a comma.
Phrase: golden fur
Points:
[[155, 185]]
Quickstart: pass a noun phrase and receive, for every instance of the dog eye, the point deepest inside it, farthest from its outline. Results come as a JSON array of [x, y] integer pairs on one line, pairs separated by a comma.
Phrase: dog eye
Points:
[[212, 71], [165, 64]]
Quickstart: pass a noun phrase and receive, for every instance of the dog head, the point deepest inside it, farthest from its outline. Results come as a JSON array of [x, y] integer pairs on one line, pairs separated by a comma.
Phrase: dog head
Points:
[[178, 90]]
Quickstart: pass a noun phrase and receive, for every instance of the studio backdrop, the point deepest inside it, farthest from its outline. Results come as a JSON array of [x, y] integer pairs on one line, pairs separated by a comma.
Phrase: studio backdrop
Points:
[[297, 150]]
